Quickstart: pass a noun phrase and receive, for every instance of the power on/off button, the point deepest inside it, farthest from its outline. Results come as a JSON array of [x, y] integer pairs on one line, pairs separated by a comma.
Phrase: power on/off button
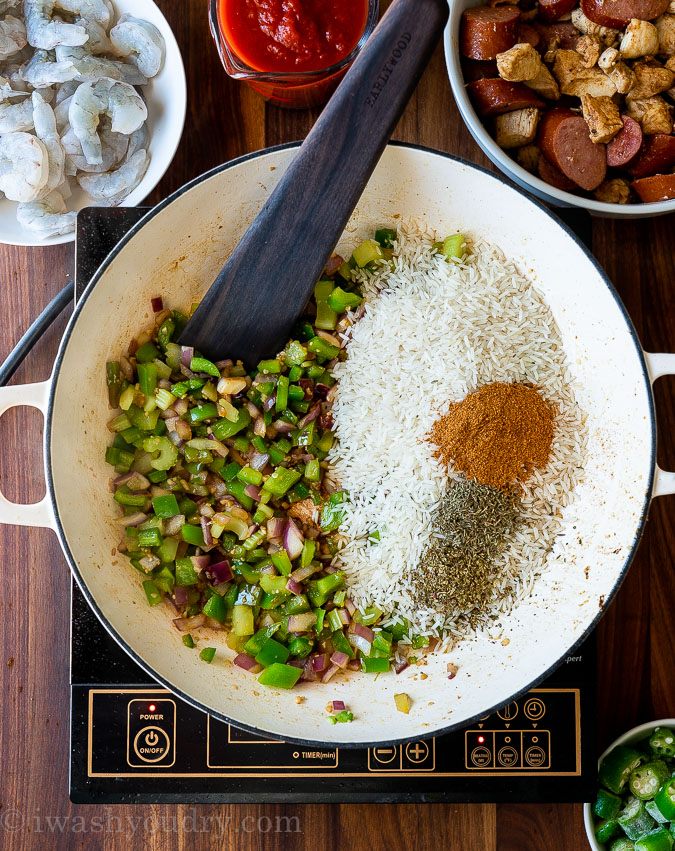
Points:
[[151, 732]]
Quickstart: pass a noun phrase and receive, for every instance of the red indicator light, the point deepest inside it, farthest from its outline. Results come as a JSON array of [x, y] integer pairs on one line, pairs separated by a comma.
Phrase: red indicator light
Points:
[[152, 707], [481, 739]]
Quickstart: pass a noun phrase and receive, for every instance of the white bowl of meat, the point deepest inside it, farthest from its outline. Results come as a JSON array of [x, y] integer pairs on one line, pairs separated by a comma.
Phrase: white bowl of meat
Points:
[[572, 100], [92, 107]]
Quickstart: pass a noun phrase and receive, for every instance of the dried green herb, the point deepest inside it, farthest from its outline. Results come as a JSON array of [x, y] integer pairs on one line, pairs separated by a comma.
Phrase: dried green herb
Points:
[[457, 572]]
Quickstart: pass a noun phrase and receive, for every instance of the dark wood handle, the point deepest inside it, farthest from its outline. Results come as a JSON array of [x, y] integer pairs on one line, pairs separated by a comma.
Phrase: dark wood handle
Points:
[[250, 308]]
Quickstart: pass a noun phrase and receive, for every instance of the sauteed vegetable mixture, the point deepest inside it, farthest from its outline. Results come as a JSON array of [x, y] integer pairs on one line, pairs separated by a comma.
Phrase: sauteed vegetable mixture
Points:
[[227, 514]]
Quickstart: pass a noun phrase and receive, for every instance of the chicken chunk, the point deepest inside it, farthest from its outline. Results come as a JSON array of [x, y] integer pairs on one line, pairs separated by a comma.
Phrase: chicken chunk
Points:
[[651, 79], [653, 114], [589, 47], [517, 128], [521, 62], [544, 84], [615, 191], [606, 35], [665, 27], [574, 78], [552, 49], [528, 157], [618, 72], [640, 38], [602, 116]]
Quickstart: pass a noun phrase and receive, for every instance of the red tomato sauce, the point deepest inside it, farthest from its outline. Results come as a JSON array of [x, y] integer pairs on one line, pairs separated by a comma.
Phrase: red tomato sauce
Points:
[[292, 35]]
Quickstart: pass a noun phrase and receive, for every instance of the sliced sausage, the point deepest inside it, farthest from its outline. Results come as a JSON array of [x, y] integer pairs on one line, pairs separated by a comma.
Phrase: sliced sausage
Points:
[[625, 145], [617, 13], [527, 34], [659, 187], [563, 139], [656, 155], [495, 97], [475, 70], [567, 34], [485, 31], [556, 178], [551, 10]]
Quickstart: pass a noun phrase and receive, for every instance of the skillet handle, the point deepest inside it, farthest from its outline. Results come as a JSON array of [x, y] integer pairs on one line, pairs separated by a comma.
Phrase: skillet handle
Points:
[[660, 364], [37, 513]]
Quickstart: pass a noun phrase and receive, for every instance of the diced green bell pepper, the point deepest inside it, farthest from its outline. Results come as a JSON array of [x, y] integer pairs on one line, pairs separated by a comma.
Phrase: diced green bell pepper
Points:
[[242, 620], [165, 506], [319, 590], [207, 654], [280, 676], [272, 651], [185, 572], [152, 592], [215, 608]]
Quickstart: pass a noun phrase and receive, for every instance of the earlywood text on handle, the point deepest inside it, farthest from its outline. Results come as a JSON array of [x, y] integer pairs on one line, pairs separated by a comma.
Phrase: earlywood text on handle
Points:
[[388, 68]]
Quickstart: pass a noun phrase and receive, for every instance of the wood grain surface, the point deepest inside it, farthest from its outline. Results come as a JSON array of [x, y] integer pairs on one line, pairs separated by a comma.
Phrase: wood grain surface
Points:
[[636, 638]]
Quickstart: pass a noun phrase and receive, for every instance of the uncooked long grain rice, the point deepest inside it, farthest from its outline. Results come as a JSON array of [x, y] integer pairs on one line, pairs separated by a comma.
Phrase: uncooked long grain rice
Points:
[[432, 332]]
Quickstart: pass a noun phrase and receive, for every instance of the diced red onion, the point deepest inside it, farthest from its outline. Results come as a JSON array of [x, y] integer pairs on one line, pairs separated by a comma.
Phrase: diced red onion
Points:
[[187, 373], [363, 631], [157, 304], [330, 673], [268, 404], [186, 624], [248, 663], [132, 348], [173, 525], [452, 671], [350, 606], [149, 563], [218, 447], [353, 665], [258, 460], [303, 573], [400, 665], [253, 410], [187, 353], [254, 492], [121, 480], [127, 368], [307, 385], [206, 510], [296, 663], [282, 426], [219, 572], [171, 422], [326, 421], [293, 540], [180, 595], [302, 622], [259, 427], [165, 384], [221, 364], [206, 531], [320, 662], [275, 527], [330, 568], [180, 406], [359, 642], [293, 586], [268, 569], [343, 614], [308, 673], [340, 659], [338, 705], [175, 438], [200, 562], [312, 414]]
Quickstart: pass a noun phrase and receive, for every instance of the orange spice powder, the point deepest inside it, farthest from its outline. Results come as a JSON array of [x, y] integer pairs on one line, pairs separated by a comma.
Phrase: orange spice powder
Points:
[[497, 434]]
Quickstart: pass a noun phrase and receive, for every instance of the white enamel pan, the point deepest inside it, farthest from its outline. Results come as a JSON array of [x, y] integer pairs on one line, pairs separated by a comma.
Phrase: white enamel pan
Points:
[[176, 251]]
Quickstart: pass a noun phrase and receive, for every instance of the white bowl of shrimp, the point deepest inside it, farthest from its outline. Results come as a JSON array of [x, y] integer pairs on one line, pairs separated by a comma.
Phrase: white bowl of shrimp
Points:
[[92, 107]]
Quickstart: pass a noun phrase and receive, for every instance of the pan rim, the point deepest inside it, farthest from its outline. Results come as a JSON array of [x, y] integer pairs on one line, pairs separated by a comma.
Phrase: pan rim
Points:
[[164, 681]]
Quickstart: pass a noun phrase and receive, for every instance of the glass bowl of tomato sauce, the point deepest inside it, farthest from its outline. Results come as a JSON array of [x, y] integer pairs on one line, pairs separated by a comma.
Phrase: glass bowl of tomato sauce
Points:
[[293, 52]]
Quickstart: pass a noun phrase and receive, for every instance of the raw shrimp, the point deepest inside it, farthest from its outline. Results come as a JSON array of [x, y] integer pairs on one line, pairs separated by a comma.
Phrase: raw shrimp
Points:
[[61, 114], [46, 33], [119, 101], [66, 90], [47, 217], [12, 36], [98, 36], [88, 68], [112, 187], [142, 41], [24, 166], [42, 71], [7, 92], [138, 140], [130, 73], [94, 10], [45, 130], [16, 116], [114, 147]]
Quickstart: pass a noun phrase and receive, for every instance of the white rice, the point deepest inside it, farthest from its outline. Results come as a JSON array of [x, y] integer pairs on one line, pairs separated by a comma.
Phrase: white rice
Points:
[[432, 332]]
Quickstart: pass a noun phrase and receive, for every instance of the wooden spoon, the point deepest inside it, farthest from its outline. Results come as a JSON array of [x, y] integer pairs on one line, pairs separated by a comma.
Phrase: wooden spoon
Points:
[[250, 308]]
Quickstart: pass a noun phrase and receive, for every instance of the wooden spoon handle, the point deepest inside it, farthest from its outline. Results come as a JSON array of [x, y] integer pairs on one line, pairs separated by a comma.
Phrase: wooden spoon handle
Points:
[[249, 310]]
